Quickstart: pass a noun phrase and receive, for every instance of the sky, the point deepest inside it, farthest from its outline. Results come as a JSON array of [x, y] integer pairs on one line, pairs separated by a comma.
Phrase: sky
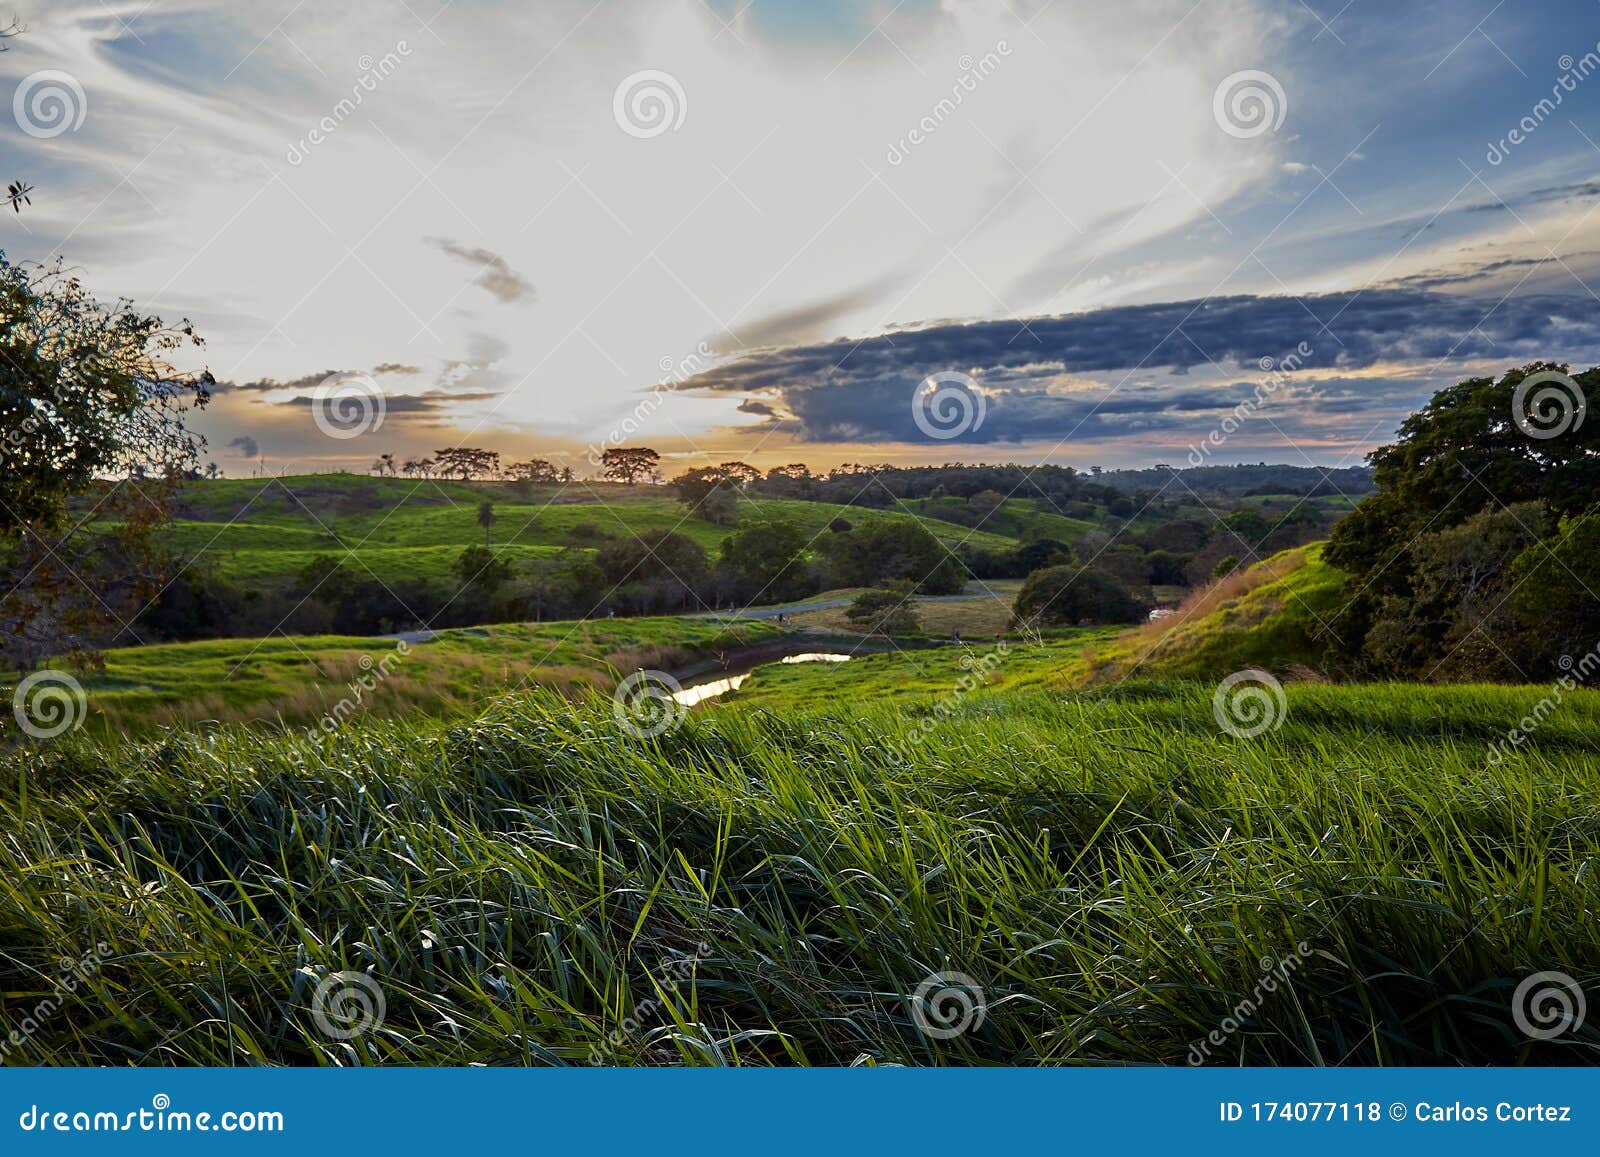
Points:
[[925, 231]]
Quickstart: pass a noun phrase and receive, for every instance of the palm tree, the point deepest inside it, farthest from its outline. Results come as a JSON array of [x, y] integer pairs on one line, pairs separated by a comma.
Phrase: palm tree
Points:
[[486, 520]]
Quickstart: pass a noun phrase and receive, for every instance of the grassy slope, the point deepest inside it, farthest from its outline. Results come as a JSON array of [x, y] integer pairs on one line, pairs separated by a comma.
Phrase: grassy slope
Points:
[[416, 529], [297, 680], [1108, 867], [1277, 615]]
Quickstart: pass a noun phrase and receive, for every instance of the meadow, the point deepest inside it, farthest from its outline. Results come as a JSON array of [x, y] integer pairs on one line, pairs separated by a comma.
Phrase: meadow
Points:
[[774, 885], [1050, 838], [252, 529], [299, 680]]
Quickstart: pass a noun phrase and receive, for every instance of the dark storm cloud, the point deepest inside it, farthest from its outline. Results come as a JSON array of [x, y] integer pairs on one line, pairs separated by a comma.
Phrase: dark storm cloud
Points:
[[861, 390], [246, 445]]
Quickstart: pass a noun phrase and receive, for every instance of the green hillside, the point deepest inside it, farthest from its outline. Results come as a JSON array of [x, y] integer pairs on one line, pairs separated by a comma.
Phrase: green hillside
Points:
[[268, 530]]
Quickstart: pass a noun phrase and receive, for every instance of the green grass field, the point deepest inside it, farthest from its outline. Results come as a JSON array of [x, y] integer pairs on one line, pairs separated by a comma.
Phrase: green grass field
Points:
[[263, 530], [772, 884], [298, 680]]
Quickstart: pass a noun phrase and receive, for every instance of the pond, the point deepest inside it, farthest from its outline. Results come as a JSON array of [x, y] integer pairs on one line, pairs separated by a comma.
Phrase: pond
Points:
[[711, 688]]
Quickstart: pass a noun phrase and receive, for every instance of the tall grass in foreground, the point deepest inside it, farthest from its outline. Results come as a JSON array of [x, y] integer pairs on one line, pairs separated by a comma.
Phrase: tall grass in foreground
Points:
[[769, 888]]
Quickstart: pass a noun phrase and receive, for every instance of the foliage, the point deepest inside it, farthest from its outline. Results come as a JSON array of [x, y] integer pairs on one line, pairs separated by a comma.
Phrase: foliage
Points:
[[767, 560], [1463, 491], [888, 611], [1072, 595], [887, 551], [519, 884], [630, 464], [91, 409]]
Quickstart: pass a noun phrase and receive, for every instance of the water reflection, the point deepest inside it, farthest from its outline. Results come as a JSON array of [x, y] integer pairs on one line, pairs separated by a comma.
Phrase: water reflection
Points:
[[700, 692]]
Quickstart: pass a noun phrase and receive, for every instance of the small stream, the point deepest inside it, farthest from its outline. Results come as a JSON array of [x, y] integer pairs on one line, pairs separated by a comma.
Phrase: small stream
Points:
[[710, 689]]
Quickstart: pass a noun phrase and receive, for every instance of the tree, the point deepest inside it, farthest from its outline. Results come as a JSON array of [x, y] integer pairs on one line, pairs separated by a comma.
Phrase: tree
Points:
[[1480, 445], [653, 555], [539, 471], [898, 548], [887, 611], [384, 466], [791, 481], [630, 464], [486, 519], [87, 397], [1226, 565], [709, 492], [1070, 595], [1040, 553], [467, 461], [766, 558], [478, 567]]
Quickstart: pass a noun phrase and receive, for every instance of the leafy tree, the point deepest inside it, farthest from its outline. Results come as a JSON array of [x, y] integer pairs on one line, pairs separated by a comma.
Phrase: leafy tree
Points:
[[1557, 594], [88, 400], [709, 492], [892, 549], [467, 462], [630, 464], [479, 567], [326, 578], [486, 519], [1457, 606], [887, 611], [766, 558], [1463, 454], [653, 555], [539, 471], [1040, 553], [1226, 565], [1070, 595]]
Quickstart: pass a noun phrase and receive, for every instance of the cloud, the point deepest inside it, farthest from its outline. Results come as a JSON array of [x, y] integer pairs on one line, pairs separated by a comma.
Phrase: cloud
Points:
[[804, 323], [246, 445], [1031, 370], [395, 368], [497, 277]]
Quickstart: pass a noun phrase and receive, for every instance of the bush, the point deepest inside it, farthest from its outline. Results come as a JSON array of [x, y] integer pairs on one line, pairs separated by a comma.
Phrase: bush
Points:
[[1066, 596], [888, 611]]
